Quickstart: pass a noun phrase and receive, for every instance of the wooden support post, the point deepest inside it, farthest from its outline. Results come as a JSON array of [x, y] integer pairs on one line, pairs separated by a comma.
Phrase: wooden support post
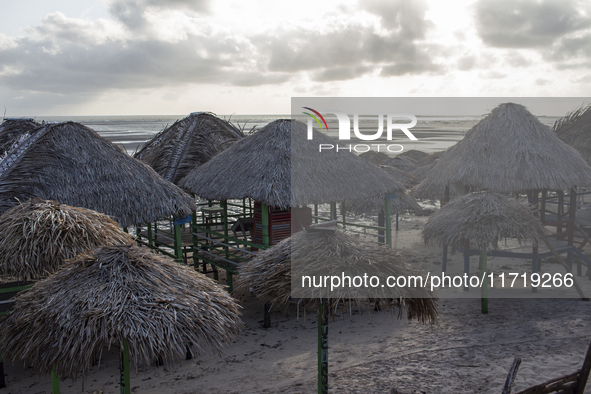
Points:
[[344, 215], [322, 349], [195, 242], [316, 213], [388, 220], [568, 270], [466, 260], [584, 374], [267, 315], [560, 210], [124, 382], [150, 237], [543, 206], [2, 378], [572, 211], [535, 260], [484, 298], [230, 280], [265, 223], [381, 223], [178, 243], [396, 220], [225, 221], [55, 382], [333, 211]]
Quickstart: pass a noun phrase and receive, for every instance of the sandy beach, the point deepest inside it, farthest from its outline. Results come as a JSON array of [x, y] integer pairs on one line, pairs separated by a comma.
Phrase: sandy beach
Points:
[[465, 352]]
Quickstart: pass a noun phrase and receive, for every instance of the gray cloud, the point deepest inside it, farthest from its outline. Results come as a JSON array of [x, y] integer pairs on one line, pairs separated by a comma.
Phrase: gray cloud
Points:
[[341, 73], [132, 12], [82, 59], [407, 17], [529, 23], [354, 48]]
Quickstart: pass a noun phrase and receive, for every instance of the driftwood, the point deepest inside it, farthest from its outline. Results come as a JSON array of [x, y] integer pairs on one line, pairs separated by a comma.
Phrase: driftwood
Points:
[[511, 376], [573, 383]]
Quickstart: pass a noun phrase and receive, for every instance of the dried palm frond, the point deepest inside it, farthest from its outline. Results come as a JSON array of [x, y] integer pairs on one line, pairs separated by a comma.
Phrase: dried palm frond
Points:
[[117, 294], [279, 166], [401, 162], [188, 143], [509, 151], [575, 130], [374, 157], [317, 251], [484, 218], [72, 164], [37, 236], [414, 154]]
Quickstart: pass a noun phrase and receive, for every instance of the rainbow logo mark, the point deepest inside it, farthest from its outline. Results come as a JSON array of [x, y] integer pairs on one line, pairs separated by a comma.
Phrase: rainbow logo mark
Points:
[[315, 118]]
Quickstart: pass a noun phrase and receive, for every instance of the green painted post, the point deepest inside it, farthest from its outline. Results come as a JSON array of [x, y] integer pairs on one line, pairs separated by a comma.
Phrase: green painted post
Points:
[[55, 382], [194, 241], [322, 349], [265, 223], [178, 243], [344, 213], [229, 280], [484, 299], [150, 237], [225, 219], [388, 222], [333, 211], [124, 375]]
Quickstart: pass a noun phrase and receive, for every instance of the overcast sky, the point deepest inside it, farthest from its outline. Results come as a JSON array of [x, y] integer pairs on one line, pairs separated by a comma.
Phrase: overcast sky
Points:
[[150, 57]]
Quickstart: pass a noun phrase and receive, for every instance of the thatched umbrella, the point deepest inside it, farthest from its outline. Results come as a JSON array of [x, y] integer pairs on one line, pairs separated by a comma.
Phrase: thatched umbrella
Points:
[[401, 162], [278, 166], [147, 304], [407, 179], [414, 154], [575, 130], [72, 164], [38, 235], [374, 157], [431, 158], [509, 151], [322, 250], [11, 130], [483, 218], [188, 143], [376, 204]]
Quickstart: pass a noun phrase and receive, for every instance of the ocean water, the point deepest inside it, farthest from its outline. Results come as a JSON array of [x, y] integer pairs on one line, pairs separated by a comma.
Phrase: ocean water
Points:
[[434, 133]]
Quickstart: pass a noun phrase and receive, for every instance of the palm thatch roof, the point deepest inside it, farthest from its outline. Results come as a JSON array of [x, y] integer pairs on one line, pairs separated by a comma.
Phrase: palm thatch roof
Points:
[[278, 166], [374, 157], [406, 178], [431, 158], [509, 151], [38, 235], [414, 154], [188, 143], [117, 294], [401, 162], [421, 172], [322, 249], [575, 130], [374, 204], [72, 164], [11, 130], [484, 218]]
